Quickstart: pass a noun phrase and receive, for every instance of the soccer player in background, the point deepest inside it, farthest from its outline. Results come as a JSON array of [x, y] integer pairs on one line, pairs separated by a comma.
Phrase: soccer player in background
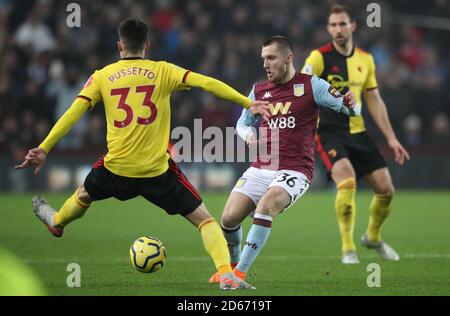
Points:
[[276, 180], [136, 96], [346, 149]]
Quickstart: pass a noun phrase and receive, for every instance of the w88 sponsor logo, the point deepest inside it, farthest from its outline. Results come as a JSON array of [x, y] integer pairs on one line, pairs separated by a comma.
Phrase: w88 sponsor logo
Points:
[[282, 122]]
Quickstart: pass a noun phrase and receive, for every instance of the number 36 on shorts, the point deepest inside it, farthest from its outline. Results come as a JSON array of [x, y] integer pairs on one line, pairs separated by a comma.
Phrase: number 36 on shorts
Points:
[[295, 183]]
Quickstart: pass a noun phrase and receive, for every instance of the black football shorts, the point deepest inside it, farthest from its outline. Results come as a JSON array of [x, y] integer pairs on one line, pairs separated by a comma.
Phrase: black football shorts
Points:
[[358, 148], [171, 191]]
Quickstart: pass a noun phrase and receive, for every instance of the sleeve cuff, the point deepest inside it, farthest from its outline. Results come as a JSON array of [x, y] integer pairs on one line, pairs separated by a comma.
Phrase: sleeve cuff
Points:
[[86, 99], [185, 76], [247, 104], [44, 148]]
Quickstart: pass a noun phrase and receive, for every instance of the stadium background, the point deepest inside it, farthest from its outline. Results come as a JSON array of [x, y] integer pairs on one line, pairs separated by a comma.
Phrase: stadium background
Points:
[[44, 63]]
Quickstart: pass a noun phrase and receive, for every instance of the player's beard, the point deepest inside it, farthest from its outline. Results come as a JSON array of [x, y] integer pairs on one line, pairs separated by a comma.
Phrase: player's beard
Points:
[[278, 75], [341, 41]]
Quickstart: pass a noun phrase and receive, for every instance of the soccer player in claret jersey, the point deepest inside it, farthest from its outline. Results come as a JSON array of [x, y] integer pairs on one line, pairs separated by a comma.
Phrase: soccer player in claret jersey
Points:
[[275, 181], [136, 94], [343, 143]]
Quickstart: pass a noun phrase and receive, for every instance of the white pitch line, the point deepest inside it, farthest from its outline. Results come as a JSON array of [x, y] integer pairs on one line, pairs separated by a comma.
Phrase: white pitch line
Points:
[[426, 256], [206, 258]]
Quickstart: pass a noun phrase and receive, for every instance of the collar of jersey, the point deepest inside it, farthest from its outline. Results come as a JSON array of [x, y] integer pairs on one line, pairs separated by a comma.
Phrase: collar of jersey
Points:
[[348, 56], [131, 58]]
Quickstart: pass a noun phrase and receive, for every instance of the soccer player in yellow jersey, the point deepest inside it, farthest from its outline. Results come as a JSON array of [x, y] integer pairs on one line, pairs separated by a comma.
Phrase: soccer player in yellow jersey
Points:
[[136, 94], [343, 143]]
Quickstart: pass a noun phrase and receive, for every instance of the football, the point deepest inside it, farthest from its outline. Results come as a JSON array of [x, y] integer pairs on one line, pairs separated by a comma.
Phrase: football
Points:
[[147, 254]]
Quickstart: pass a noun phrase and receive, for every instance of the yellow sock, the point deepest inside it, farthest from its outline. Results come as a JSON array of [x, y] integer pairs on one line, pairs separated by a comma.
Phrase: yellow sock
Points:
[[72, 209], [215, 244], [345, 211], [379, 210]]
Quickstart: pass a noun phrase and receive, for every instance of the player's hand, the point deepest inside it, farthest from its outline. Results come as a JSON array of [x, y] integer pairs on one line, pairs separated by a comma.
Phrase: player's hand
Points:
[[400, 153], [36, 157], [251, 140], [349, 100], [260, 108]]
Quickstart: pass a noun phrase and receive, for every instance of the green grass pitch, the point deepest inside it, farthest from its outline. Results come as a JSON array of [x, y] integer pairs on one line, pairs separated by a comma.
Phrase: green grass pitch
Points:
[[301, 257]]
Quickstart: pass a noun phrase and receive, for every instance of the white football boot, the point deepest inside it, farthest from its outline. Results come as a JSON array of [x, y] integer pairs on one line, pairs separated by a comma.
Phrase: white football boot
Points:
[[384, 250], [45, 213], [350, 257]]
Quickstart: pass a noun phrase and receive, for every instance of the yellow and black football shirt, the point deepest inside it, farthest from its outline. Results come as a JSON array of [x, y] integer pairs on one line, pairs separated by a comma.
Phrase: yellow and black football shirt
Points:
[[355, 72], [136, 95]]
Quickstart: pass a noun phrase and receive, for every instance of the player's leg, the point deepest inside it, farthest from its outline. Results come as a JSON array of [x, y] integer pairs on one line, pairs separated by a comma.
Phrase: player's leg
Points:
[[272, 203], [368, 162], [96, 187], [381, 182], [334, 152], [173, 192], [284, 190], [238, 207], [242, 201], [181, 197], [213, 239], [216, 246], [74, 208], [344, 176]]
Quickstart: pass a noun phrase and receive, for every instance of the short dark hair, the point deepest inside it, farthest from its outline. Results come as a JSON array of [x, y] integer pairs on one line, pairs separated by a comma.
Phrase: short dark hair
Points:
[[133, 34], [281, 41], [339, 8]]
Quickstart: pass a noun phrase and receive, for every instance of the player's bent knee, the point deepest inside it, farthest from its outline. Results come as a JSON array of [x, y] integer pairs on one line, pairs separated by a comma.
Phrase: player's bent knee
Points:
[[275, 201], [342, 170], [228, 210], [236, 210], [230, 219], [227, 219], [83, 195], [388, 190], [271, 208], [230, 222], [340, 175]]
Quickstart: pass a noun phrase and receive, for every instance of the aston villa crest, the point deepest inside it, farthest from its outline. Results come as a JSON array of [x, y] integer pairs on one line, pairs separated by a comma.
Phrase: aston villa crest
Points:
[[299, 89]]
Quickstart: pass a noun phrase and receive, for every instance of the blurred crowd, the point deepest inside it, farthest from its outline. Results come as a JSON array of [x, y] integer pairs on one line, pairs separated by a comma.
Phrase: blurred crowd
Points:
[[44, 63]]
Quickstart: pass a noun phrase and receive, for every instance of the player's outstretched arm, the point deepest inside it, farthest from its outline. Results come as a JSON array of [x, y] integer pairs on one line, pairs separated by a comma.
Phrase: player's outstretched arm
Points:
[[327, 96], [224, 91], [377, 109], [36, 157]]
